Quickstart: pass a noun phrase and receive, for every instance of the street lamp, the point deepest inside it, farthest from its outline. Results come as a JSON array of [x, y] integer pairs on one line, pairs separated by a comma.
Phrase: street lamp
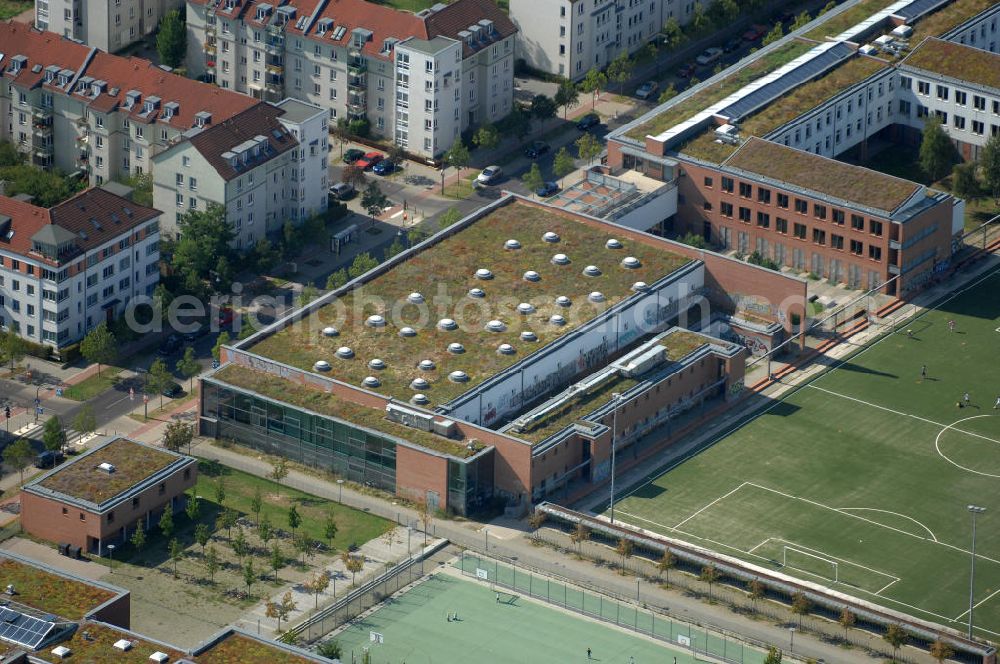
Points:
[[111, 556], [615, 397], [486, 537], [973, 510], [791, 643], [340, 497]]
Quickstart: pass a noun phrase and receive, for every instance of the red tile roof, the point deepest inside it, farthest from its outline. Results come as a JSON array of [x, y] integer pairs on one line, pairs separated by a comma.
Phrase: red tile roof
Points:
[[382, 21], [260, 120], [41, 48], [459, 15], [27, 219]]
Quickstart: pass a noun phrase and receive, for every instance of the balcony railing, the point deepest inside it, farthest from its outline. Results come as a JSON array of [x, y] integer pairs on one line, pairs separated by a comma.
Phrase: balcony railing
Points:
[[210, 48], [356, 66], [42, 111]]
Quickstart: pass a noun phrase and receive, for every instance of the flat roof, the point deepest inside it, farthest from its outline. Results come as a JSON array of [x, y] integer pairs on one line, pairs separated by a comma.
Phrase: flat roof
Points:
[[93, 643], [245, 649], [81, 479], [820, 174], [853, 15], [297, 110], [442, 273], [948, 17], [49, 592], [958, 61]]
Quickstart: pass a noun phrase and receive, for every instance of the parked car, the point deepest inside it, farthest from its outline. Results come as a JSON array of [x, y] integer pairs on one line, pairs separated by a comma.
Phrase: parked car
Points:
[[647, 89], [536, 149], [368, 162], [547, 189], [588, 121], [489, 175], [170, 345], [384, 167], [755, 32], [708, 56], [686, 71], [49, 459], [352, 155], [733, 44], [172, 390], [342, 191]]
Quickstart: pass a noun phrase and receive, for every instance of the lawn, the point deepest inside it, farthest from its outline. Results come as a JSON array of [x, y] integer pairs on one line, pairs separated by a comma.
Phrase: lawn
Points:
[[90, 387], [11, 8], [52, 593], [847, 19], [860, 479]]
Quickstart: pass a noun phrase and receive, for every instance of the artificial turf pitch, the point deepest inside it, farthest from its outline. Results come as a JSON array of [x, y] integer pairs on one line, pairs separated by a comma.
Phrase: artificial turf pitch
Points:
[[860, 480], [415, 629]]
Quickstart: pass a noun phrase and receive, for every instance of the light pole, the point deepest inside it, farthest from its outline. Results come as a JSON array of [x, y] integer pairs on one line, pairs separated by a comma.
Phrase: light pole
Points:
[[791, 643], [340, 496], [486, 538], [973, 510], [615, 396], [111, 557]]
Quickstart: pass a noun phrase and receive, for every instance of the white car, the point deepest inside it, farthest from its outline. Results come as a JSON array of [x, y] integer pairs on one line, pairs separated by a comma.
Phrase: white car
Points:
[[489, 175], [647, 89], [709, 55]]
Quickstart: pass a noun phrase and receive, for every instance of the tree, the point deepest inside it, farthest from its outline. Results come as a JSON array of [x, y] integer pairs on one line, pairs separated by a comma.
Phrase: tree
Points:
[[317, 585], [337, 279], [773, 656], [535, 522], [176, 553], [827, 7], [279, 471], [330, 530], [84, 420], [354, 564], [167, 521], [563, 164], [668, 93], [138, 539], [533, 179], [846, 620], [54, 437], [396, 247], [426, 519], [373, 200], [666, 563], [709, 575], [273, 610], [487, 137], [193, 507], [673, 35], [936, 149], [220, 492], [941, 651], [963, 180], [755, 591], [567, 95], [579, 535], [256, 505], [330, 649], [340, 134], [202, 535], [294, 519], [177, 435], [212, 563], [277, 560], [801, 605], [249, 576], [204, 237], [457, 157], [362, 263], [308, 294], [620, 69], [229, 519], [588, 147], [171, 39], [896, 637], [800, 21], [265, 531], [239, 545], [354, 175], [264, 255], [543, 107], [18, 455], [188, 367], [304, 545], [159, 378], [517, 122], [14, 348], [220, 341], [699, 19], [775, 34], [592, 84], [624, 549], [989, 162], [99, 346]]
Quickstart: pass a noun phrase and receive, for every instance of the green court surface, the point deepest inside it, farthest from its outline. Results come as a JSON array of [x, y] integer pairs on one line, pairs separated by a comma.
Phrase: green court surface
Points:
[[861, 479], [414, 628]]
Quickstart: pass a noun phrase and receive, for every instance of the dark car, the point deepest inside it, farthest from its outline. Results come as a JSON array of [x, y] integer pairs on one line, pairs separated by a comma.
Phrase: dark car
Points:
[[172, 390], [734, 44], [352, 155], [755, 32], [536, 150], [49, 459], [196, 333], [170, 346], [547, 189], [686, 71], [588, 121], [384, 167], [342, 191]]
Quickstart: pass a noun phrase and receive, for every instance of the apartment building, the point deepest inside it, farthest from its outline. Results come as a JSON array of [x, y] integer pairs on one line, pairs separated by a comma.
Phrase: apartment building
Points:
[[265, 166], [65, 269], [568, 37], [109, 25], [84, 111], [419, 79]]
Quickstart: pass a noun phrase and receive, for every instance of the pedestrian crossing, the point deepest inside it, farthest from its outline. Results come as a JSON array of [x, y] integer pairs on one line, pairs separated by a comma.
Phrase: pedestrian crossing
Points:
[[34, 431]]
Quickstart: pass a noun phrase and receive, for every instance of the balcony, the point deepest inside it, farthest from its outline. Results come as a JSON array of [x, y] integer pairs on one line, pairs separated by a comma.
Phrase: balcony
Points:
[[357, 103], [274, 46], [209, 48], [43, 112], [275, 68], [356, 66], [357, 82]]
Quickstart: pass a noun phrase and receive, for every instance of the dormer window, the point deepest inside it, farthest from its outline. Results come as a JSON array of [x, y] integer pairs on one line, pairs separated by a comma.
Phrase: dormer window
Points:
[[170, 110], [17, 63], [63, 80], [132, 98], [202, 118]]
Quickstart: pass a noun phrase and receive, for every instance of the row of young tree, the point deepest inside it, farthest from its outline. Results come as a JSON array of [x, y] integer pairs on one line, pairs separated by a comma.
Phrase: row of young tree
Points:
[[970, 179]]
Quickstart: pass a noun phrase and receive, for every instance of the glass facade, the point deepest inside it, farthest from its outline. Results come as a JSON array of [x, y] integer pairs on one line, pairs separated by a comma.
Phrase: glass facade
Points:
[[470, 483]]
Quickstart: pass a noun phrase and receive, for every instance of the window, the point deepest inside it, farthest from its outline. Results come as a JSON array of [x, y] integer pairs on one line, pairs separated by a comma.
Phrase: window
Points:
[[978, 128], [783, 201], [819, 211], [726, 209], [958, 121], [801, 206], [838, 217], [819, 236], [708, 181], [764, 195], [942, 92], [163, 488], [745, 214], [781, 225], [874, 253], [799, 231], [727, 185], [857, 247], [857, 222], [135, 503], [923, 87], [111, 516], [763, 220], [746, 190], [83, 517], [979, 103], [875, 228], [961, 98]]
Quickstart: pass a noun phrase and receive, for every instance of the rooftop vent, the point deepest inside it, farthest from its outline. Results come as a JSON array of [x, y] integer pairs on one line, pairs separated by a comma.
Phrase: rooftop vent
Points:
[[596, 296], [419, 384], [375, 321], [63, 652], [526, 308], [458, 377], [159, 657], [531, 275], [477, 293], [106, 467], [427, 365], [512, 244], [376, 364], [591, 271], [556, 319], [613, 244], [631, 262], [728, 133], [496, 326], [447, 324], [528, 335], [420, 400], [560, 259], [415, 298], [123, 644], [563, 301], [551, 237], [321, 365], [902, 31], [345, 353], [640, 286], [330, 332], [483, 273], [506, 349], [407, 332], [456, 348], [371, 381], [868, 49]]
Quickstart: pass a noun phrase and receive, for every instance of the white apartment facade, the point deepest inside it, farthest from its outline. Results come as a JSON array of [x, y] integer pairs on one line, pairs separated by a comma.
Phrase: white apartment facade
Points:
[[66, 269], [109, 25], [569, 37], [262, 167], [344, 57]]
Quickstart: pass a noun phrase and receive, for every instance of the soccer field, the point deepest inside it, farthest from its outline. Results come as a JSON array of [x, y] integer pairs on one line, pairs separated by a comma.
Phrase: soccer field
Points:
[[414, 628], [860, 480]]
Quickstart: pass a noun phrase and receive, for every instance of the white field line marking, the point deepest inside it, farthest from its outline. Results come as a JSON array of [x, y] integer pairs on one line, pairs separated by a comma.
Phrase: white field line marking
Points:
[[937, 446], [824, 554], [982, 601], [886, 586], [722, 497], [897, 412], [903, 516], [760, 545]]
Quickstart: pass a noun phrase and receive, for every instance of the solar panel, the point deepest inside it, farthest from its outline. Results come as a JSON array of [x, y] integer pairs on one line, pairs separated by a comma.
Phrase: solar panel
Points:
[[24, 630], [805, 72], [918, 8]]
